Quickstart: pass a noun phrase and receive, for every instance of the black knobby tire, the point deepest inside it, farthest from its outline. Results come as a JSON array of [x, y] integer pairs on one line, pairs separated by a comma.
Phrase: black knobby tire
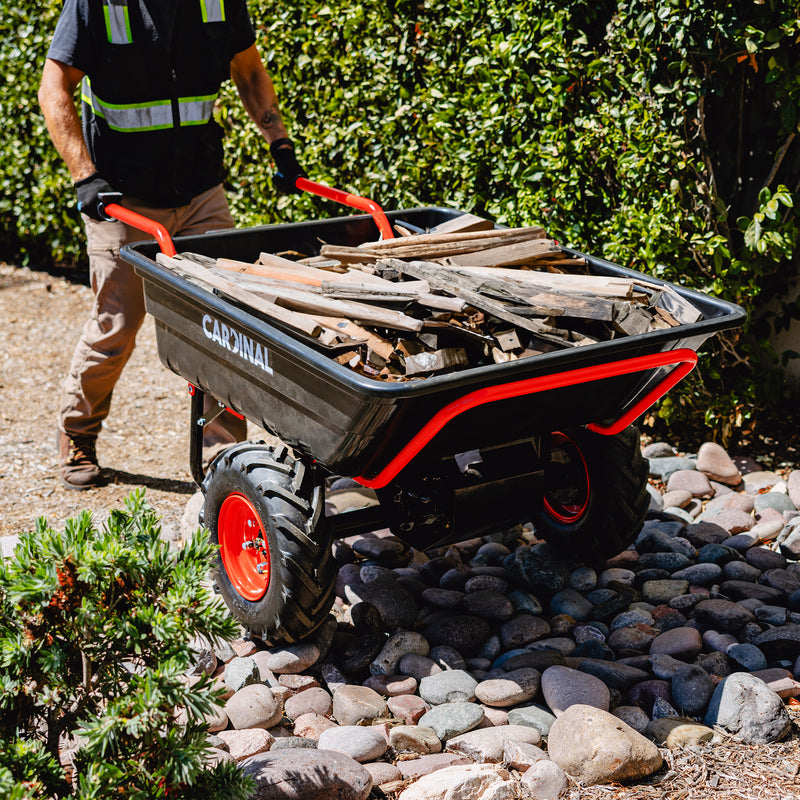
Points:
[[596, 494], [256, 490]]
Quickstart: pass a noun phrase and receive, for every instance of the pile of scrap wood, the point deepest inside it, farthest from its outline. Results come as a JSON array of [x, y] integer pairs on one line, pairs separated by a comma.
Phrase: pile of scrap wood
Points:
[[462, 295]]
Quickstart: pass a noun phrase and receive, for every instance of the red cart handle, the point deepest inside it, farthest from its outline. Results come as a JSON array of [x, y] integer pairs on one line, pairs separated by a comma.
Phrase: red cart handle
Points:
[[155, 229], [347, 199], [685, 360]]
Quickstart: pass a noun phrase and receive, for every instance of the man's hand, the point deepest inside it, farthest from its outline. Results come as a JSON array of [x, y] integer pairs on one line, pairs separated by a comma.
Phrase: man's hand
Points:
[[287, 168], [89, 190]]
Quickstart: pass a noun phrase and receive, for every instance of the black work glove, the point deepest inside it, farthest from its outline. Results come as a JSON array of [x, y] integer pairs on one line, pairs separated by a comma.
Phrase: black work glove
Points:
[[287, 168], [89, 199]]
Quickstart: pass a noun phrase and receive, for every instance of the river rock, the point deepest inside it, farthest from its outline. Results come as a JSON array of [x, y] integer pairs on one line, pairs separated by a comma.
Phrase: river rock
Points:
[[596, 747], [303, 774], [314, 700], [714, 461], [678, 732], [513, 688], [473, 781], [748, 709], [563, 687], [450, 686], [359, 742], [545, 780], [355, 704], [254, 706], [414, 739], [452, 719], [395, 603], [681, 643], [487, 745], [245, 743], [692, 689], [461, 632]]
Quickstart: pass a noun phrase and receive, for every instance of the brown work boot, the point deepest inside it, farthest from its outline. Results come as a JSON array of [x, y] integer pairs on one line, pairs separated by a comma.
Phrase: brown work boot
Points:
[[77, 461]]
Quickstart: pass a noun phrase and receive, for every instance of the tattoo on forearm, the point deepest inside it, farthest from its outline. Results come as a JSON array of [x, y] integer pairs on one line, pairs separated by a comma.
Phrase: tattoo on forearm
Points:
[[270, 118]]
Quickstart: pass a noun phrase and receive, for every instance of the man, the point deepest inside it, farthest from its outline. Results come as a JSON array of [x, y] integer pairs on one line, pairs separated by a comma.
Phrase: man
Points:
[[150, 71]]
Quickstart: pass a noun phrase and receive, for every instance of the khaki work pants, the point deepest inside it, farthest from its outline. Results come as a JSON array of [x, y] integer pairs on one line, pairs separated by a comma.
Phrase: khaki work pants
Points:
[[109, 334]]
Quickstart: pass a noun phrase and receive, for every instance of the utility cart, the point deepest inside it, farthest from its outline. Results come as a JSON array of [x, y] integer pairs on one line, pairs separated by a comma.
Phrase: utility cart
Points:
[[546, 439]]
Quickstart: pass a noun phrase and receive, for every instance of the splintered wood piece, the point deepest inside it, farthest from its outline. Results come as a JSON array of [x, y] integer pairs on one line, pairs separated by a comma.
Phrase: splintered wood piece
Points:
[[501, 356], [347, 255], [228, 287], [278, 268], [562, 305], [630, 319], [356, 333], [596, 285], [351, 358], [508, 340], [409, 347], [680, 308], [392, 292], [367, 293], [446, 358], [505, 254], [312, 303], [471, 239], [447, 283], [462, 224], [666, 317]]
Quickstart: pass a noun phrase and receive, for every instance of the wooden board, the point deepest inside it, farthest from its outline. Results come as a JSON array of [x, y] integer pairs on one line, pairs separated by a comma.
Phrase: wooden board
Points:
[[234, 291]]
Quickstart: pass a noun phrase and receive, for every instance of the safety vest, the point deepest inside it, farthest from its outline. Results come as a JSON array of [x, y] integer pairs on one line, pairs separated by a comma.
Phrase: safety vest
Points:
[[148, 106]]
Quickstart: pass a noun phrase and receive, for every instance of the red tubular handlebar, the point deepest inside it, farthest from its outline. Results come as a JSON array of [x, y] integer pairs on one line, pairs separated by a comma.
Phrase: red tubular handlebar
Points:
[[684, 359], [155, 229], [347, 199]]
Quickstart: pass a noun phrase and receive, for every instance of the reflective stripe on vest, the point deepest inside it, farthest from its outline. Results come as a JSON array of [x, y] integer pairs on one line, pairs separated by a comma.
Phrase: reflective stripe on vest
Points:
[[118, 24], [213, 10], [153, 116]]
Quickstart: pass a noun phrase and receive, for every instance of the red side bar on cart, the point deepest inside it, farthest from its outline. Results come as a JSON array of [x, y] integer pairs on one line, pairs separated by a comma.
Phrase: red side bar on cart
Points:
[[347, 199], [155, 229], [683, 359]]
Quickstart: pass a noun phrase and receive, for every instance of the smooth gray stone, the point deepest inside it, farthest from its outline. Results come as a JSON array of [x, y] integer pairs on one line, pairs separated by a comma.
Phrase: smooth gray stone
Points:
[[534, 716], [451, 719], [662, 467]]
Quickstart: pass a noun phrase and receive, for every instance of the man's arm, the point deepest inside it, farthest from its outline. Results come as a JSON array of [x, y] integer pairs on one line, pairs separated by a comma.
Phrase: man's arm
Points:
[[57, 100], [258, 94]]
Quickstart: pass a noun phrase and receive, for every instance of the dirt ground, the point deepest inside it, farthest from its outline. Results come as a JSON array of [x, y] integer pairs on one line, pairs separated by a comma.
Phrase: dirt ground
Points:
[[144, 444]]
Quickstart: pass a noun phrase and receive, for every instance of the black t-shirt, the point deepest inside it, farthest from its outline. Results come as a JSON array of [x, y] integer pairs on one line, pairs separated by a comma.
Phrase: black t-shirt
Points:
[[173, 52]]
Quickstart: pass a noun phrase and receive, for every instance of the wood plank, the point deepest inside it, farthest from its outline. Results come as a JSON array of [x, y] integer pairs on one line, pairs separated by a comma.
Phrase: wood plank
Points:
[[294, 276], [312, 303], [474, 239], [561, 305], [505, 254], [599, 285], [348, 255], [432, 273], [230, 288], [462, 224], [357, 334]]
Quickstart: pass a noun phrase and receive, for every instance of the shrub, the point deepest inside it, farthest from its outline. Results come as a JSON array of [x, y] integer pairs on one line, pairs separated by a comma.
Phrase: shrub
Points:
[[663, 138], [95, 626]]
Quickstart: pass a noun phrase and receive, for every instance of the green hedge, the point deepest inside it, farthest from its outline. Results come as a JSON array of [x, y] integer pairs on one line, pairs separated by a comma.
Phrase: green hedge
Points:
[[661, 137]]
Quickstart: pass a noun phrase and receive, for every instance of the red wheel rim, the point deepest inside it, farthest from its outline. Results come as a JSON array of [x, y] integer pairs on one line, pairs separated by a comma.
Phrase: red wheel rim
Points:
[[239, 531], [566, 494]]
